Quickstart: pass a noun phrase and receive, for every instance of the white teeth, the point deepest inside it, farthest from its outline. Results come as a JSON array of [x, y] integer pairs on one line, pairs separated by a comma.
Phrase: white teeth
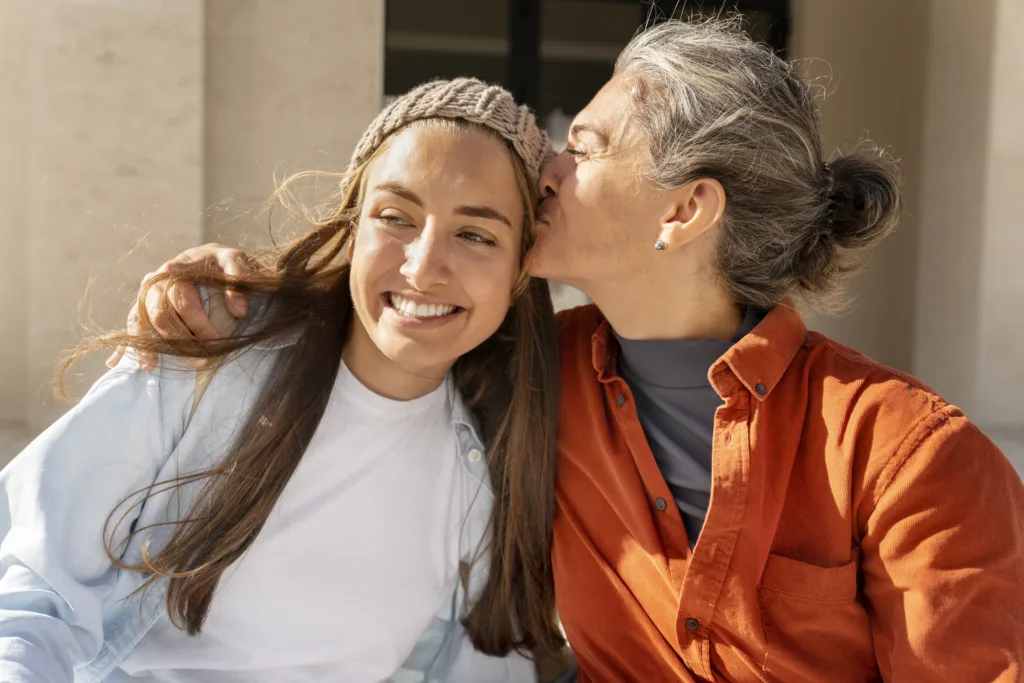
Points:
[[413, 310]]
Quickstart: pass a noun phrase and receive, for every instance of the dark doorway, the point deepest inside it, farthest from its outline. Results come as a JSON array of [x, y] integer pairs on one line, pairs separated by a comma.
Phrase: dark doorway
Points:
[[552, 54]]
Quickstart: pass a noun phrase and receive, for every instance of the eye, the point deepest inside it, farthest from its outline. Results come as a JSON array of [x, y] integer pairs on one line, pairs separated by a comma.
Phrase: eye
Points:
[[477, 238], [394, 220], [575, 151]]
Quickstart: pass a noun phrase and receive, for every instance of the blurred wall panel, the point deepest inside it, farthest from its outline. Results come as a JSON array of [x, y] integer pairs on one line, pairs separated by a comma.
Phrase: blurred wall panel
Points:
[[289, 86], [102, 139]]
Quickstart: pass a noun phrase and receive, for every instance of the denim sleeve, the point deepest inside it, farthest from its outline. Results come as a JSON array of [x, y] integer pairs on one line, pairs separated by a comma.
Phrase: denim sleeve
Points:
[[55, 498]]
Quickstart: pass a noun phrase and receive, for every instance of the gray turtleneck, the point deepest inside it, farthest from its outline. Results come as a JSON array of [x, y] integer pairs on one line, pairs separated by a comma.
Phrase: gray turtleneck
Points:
[[676, 405]]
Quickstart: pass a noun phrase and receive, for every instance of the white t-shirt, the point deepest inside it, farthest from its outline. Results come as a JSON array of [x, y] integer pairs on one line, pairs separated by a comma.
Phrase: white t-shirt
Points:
[[358, 555]]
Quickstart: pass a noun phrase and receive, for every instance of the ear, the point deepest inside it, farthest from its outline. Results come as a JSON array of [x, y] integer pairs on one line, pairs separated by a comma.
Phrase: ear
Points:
[[693, 209], [350, 246]]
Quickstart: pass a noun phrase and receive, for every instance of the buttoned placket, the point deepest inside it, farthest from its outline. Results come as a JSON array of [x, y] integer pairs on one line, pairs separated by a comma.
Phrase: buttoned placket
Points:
[[698, 590], [706, 574]]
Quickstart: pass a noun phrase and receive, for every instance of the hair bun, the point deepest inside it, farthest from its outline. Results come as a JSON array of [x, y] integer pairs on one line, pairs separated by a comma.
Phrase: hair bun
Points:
[[863, 200]]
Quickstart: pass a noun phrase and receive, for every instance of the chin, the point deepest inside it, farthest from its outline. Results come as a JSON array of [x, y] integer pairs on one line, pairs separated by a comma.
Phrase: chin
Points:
[[540, 264], [415, 359], [548, 269]]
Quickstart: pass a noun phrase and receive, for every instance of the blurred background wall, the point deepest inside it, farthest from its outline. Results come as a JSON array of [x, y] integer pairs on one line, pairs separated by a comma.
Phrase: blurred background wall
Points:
[[132, 129]]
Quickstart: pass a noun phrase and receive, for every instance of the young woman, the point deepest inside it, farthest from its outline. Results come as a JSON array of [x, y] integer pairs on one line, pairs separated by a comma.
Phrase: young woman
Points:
[[359, 487], [738, 498]]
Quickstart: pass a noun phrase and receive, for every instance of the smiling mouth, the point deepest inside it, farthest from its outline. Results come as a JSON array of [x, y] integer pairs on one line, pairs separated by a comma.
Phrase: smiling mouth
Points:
[[411, 309]]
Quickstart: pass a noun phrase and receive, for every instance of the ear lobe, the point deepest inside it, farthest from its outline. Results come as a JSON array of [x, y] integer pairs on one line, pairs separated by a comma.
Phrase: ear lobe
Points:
[[697, 207]]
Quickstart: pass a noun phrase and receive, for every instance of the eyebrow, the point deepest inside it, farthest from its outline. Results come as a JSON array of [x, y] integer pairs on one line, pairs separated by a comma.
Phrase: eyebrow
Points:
[[401, 190], [484, 212], [578, 128]]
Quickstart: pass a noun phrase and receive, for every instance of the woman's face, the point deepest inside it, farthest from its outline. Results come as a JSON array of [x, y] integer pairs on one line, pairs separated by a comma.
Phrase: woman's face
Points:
[[436, 251]]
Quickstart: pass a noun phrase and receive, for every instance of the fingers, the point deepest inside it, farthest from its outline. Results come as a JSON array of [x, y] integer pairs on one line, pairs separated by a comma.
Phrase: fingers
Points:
[[175, 309], [187, 308], [147, 359], [214, 258], [236, 264], [203, 255], [115, 357], [172, 326]]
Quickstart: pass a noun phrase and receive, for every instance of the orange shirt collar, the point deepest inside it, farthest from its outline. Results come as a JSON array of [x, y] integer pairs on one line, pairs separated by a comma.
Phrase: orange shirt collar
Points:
[[757, 361]]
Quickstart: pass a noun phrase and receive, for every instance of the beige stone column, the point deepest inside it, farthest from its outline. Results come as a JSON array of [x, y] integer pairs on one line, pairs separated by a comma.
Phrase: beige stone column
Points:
[[969, 335], [111, 141], [952, 212], [13, 232], [969, 330], [870, 57], [290, 86], [1000, 394]]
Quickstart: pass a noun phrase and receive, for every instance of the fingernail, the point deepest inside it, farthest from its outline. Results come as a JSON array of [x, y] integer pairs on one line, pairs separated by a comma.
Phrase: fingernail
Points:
[[238, 305], [112, 361]]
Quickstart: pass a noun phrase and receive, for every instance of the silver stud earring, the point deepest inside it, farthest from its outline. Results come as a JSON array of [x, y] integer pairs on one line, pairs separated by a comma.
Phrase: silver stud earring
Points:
[[660, 246]]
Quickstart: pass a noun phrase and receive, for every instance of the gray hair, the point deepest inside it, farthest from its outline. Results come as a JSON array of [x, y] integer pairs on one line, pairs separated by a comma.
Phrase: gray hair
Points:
[[714, 104]]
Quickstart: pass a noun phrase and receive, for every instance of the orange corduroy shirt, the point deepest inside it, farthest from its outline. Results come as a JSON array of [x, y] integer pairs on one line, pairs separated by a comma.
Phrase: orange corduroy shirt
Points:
[[860, 528]]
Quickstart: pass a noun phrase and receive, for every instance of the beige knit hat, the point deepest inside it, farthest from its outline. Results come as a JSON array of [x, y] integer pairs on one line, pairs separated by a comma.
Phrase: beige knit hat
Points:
[[470, 100]]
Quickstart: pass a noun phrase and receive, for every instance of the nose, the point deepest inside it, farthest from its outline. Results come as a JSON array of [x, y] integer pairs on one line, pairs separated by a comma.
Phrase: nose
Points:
[[426, 261], [550, 177]]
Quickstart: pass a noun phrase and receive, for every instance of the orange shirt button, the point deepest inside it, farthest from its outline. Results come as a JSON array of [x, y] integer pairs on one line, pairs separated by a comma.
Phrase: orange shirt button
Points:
[[620, 399], [761, 389], [692, 624], [660, 504]]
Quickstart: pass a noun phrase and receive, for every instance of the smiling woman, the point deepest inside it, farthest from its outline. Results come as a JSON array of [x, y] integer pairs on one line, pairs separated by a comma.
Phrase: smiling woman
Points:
[[435, 265], [323, 510]]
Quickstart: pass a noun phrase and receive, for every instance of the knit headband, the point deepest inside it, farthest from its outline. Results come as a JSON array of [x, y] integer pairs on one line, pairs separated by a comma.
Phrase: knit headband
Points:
[[467, 99]]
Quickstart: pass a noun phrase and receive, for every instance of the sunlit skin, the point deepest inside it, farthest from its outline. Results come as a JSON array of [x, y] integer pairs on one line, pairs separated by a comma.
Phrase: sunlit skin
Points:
[[440, 225], [599, 221]]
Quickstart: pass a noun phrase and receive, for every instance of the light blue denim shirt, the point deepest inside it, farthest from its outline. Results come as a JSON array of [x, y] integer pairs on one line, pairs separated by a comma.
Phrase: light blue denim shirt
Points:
[[67, 614]]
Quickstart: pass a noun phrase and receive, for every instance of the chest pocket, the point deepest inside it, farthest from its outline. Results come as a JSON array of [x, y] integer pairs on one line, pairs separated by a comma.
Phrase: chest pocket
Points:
[[815, 626]]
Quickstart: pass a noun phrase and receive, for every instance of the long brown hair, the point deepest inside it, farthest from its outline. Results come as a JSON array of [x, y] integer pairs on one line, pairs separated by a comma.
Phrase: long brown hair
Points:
[[510, 383]]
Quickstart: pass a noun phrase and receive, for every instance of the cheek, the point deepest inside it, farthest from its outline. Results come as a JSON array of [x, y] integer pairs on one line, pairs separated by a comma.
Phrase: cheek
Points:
[[592, 213], [489, 287], [617, 214], [375, 261], [588, 195], [603, 193]]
